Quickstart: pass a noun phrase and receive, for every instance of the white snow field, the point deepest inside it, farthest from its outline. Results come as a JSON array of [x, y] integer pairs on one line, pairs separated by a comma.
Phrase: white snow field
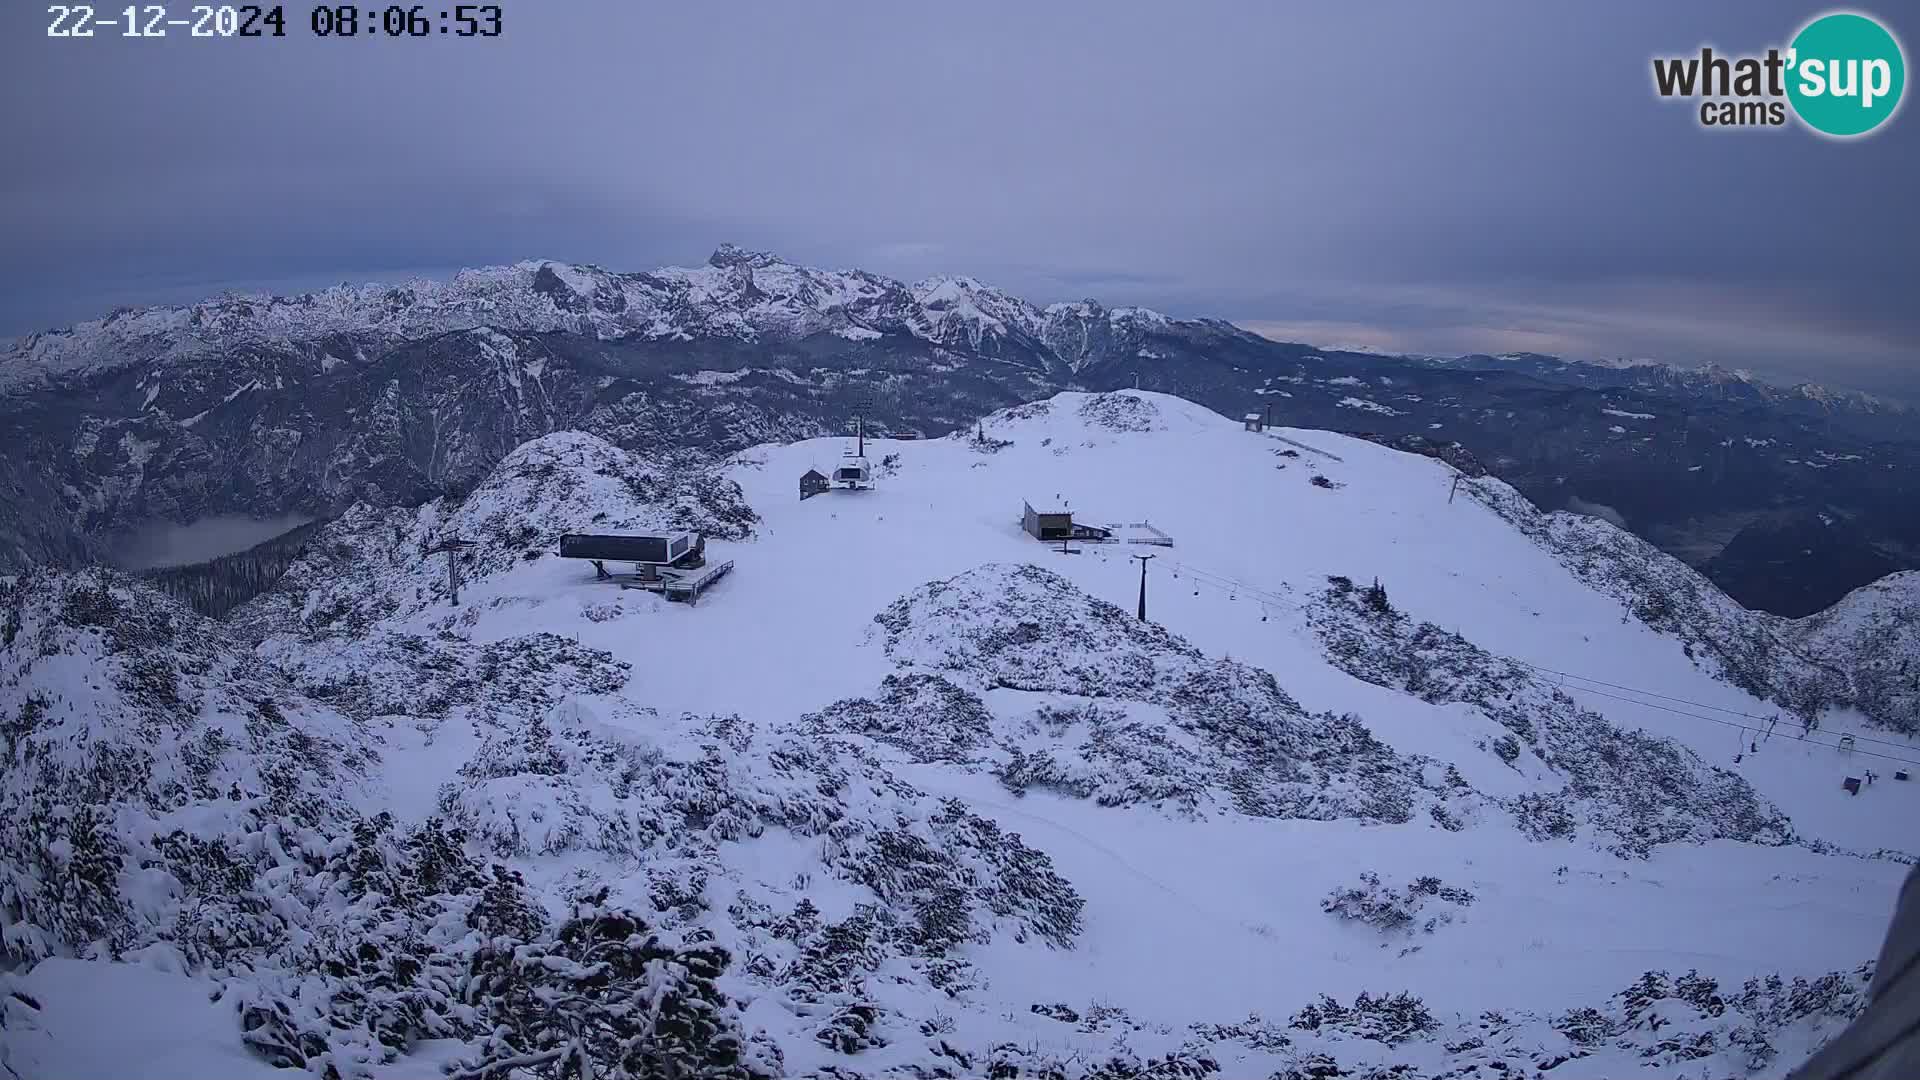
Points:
[[1202, 918]]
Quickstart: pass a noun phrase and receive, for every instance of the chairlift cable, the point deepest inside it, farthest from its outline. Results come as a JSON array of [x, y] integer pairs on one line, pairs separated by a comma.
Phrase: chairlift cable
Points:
[[1223, 581]]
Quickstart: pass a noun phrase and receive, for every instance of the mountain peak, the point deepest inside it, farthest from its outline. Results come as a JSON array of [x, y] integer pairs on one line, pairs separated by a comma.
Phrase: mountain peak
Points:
[[729, 255]]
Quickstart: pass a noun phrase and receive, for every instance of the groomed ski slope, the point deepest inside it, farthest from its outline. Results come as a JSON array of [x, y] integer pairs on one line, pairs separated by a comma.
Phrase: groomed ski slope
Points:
[[1203, 920]]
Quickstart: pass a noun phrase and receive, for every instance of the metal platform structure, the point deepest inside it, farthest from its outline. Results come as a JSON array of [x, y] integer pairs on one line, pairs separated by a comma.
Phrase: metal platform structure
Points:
[[681, 586], [674, 565]]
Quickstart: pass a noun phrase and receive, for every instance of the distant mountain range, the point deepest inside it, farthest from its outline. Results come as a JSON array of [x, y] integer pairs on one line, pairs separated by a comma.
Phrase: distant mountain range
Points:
[[1786, 497], [1858, 411]]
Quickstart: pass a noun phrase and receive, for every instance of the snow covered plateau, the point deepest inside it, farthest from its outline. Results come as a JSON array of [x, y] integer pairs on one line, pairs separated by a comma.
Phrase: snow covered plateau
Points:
[[1402, 777]]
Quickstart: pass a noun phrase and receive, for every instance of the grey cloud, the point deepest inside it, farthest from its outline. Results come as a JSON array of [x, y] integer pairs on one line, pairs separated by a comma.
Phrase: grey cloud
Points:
[[167, 544], [1599, 510], [1472, 174]]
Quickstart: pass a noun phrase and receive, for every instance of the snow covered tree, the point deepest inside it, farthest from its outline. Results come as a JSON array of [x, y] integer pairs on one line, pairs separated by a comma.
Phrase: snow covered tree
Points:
[[1375, 597]]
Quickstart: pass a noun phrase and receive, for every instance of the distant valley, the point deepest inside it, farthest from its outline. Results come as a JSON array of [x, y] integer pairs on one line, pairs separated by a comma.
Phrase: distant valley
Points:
[[269, 406]]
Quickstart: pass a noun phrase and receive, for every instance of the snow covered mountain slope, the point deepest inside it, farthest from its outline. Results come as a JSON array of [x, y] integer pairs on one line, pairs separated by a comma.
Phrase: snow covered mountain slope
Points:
[[911, 794], [1858, 654], [738, 294], [266, 406]]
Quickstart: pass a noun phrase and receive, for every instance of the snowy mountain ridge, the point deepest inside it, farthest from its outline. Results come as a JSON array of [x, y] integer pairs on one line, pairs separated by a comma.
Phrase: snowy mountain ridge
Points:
[[1709, 378], [263, 407], [910, 794], [738, 294]]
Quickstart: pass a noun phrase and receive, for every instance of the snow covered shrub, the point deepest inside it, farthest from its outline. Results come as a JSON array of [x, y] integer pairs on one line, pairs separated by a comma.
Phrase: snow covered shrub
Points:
[[835, 957], [1544, 817], [1390, 909], [606, 996], [1010, 1061], [1773, 1002], [606, 611], [1095, 750], [1254, 1033], [852, 1029], [125, 723], [1663, 1021], [1660, 1025], [926, 715], [1387, 1019], [59, 882], [1584, 1026], [1058, 1010], [386, 673], [1121, 411], [1374, 597]]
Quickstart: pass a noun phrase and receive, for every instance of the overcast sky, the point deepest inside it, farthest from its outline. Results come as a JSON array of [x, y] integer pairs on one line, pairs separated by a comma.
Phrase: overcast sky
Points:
[[1417, 176]]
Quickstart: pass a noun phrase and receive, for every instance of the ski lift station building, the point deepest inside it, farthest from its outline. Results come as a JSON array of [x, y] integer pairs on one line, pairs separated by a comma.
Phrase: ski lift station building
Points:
[[1052, 519], [1055, 522], [674, 565], [853, 471], [1048, 524]]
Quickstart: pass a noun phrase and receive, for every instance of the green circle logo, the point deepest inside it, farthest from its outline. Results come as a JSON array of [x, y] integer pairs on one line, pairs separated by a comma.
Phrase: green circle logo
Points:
[[1845, 74]]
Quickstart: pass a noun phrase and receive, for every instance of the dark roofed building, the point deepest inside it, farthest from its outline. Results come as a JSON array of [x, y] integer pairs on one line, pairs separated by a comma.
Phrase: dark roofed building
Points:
[[813, 482], [1052, 524], [1049, 524]]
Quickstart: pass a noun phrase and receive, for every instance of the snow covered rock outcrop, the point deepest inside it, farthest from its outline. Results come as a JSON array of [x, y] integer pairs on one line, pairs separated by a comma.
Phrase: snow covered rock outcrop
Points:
[[1869, 643], [1013, 668], [368, 564]]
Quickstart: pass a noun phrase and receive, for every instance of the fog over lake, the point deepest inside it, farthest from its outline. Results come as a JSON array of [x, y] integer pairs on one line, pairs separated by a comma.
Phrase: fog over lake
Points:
[[167, 543]]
